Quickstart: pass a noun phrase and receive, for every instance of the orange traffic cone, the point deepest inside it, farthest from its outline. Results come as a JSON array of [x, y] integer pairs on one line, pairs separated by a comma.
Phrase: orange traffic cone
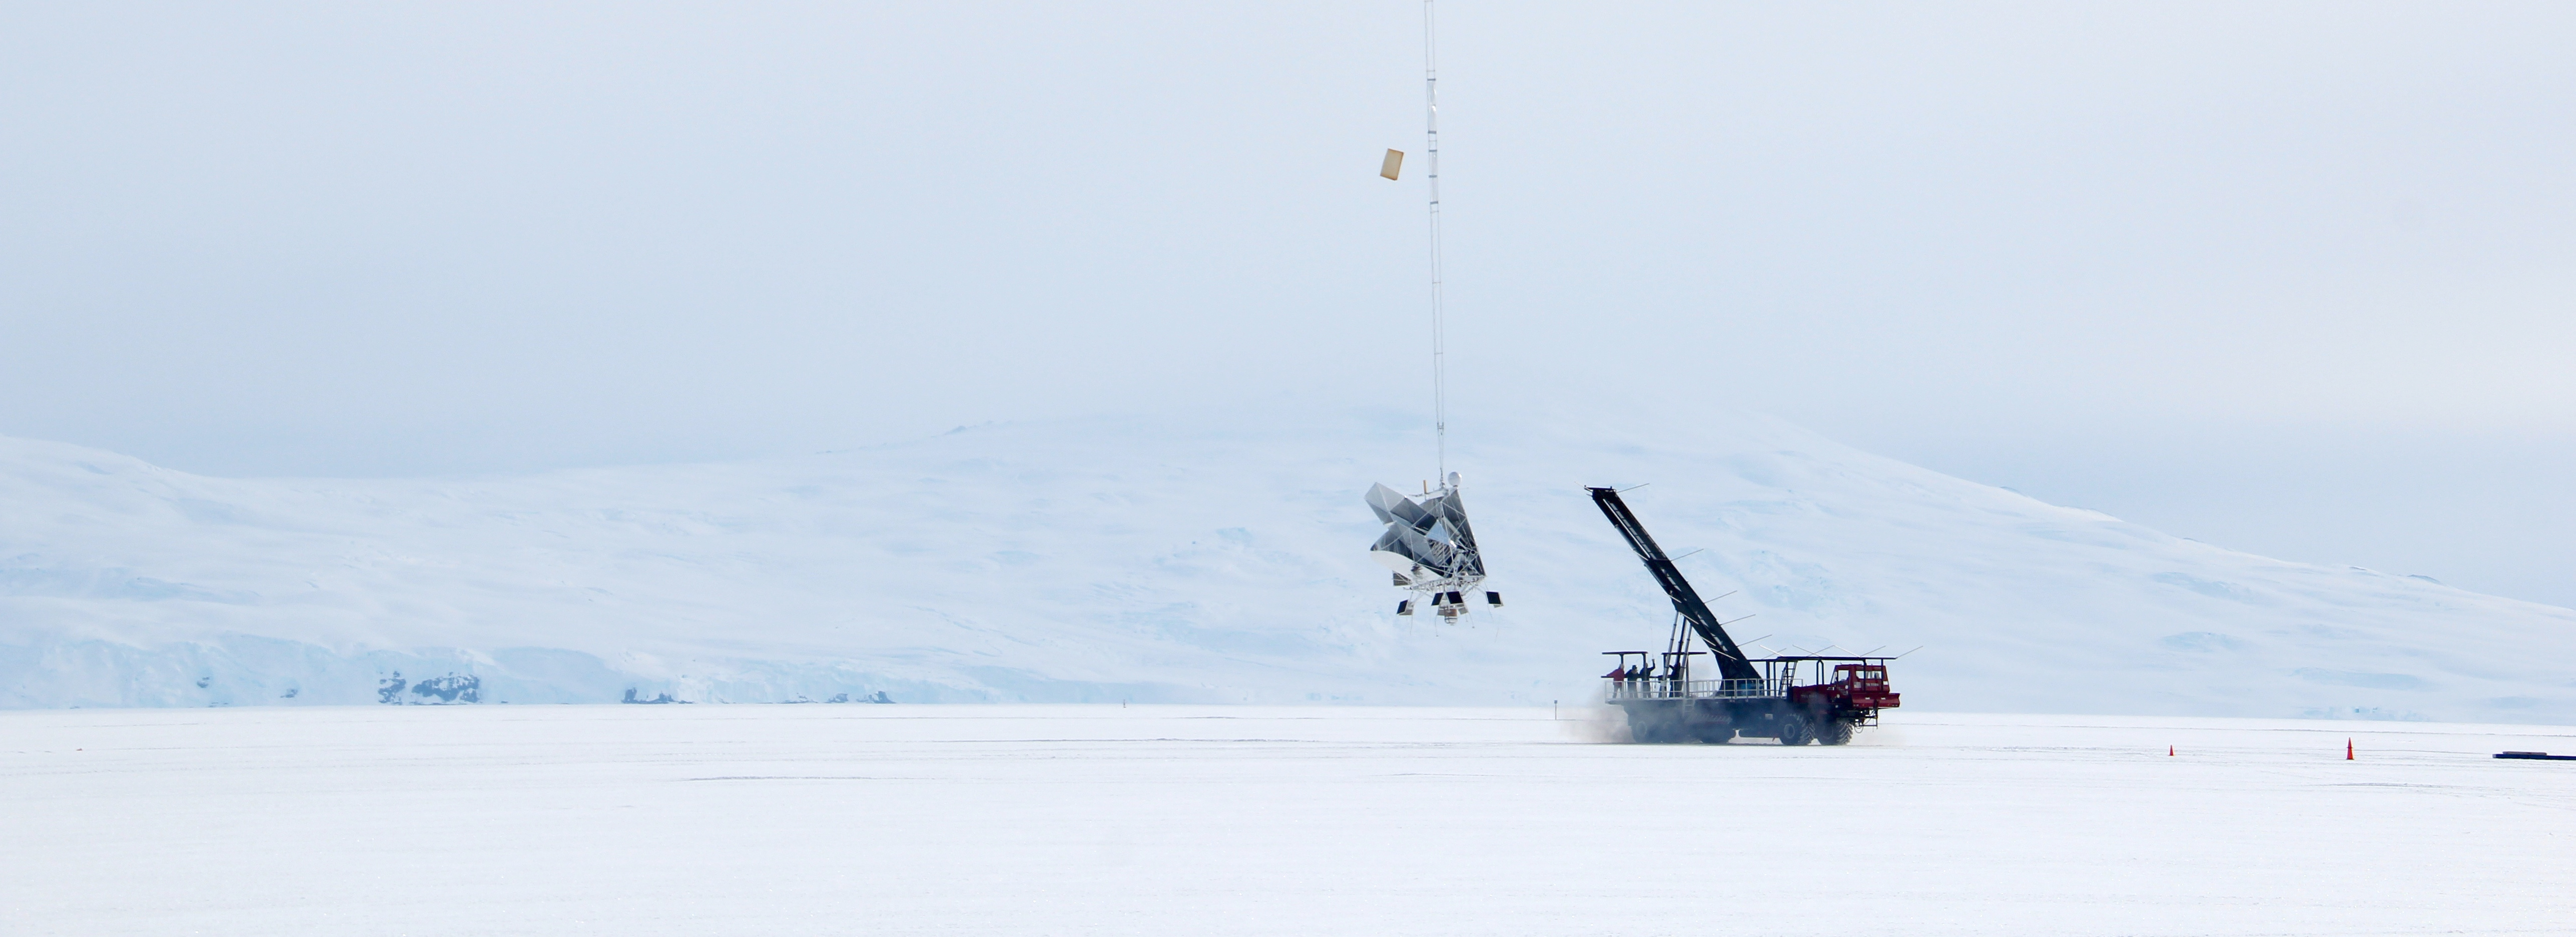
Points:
[[2347, 749], [2168, 751]]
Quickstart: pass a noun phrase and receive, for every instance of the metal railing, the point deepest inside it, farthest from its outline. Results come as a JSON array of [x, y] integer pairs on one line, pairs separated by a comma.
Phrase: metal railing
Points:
[[1659, 688]]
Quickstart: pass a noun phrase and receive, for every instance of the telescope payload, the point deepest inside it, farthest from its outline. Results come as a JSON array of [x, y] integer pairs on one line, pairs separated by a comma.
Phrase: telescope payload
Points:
[[1430, 548], [1427, 542]]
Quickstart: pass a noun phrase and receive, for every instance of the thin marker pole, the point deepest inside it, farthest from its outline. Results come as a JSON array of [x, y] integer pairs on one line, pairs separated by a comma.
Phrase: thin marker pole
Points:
[[1439, 325]]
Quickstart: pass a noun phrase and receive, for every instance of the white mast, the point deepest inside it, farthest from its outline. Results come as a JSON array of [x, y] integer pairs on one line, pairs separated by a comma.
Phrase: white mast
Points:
[[1439, 325]]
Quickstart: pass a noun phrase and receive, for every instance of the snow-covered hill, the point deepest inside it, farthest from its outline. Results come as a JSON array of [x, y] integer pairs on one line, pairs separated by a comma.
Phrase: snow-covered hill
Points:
[[1185, 560]]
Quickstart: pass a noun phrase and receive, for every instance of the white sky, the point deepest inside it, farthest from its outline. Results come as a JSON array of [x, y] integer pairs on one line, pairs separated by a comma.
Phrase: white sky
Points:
[[2292, 278]]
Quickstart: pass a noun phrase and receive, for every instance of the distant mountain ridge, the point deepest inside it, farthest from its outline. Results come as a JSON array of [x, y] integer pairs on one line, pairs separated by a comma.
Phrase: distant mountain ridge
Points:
[[1176, 559]]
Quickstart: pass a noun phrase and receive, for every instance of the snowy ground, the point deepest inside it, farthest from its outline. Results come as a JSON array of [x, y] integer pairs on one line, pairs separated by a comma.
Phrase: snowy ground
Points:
[[636, 820]]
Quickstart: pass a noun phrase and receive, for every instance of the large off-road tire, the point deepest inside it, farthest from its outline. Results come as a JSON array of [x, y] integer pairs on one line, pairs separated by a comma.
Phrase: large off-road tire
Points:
[[1795, 730], [1834, 731]]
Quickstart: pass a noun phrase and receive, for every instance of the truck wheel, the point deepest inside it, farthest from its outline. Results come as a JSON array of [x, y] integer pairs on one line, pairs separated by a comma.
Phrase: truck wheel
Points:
[[1794, 729], [1834, 732]]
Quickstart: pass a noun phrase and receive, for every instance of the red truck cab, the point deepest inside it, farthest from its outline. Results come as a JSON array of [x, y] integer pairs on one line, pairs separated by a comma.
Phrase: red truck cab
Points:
[[1863, 686]]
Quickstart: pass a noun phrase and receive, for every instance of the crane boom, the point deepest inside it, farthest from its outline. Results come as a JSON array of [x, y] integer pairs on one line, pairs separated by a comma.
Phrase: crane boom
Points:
[[1731, 664]]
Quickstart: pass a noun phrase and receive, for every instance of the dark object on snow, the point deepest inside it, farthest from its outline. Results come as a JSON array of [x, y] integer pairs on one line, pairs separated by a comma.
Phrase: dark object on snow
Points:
[[2536, 756]]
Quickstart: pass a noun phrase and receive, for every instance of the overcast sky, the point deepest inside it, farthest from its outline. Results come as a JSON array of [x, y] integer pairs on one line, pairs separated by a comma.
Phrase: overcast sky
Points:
[[2291, 278]]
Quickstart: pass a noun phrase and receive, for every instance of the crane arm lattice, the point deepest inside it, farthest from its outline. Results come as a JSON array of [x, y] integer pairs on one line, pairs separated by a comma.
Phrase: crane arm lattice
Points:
[[1730, 659]]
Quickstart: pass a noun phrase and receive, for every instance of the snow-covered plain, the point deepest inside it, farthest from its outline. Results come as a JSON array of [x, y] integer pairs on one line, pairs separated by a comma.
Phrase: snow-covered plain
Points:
[[1188, 560], [636, 820]]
